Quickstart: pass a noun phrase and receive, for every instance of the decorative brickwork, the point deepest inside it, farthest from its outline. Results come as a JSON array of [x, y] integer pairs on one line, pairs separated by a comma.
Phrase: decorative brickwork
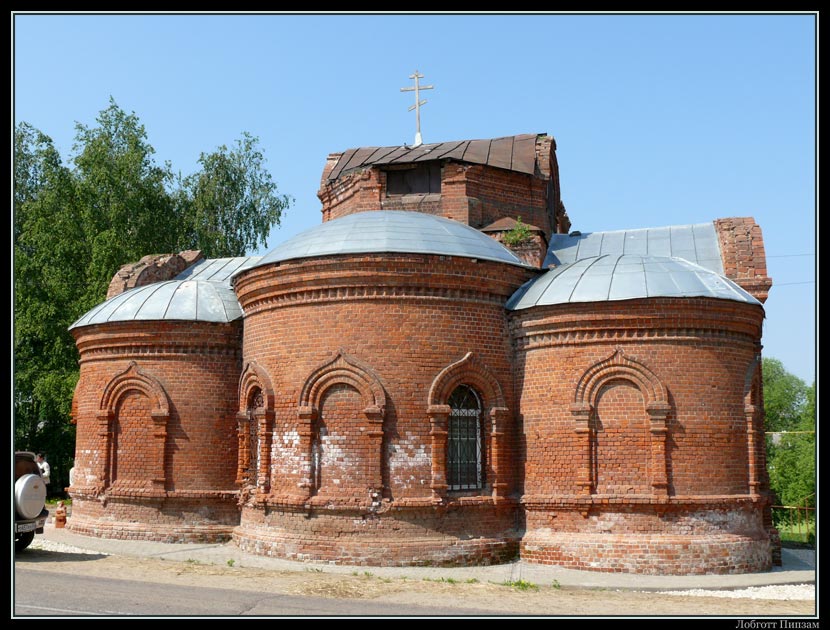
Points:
[[387, 409], [156, 444]]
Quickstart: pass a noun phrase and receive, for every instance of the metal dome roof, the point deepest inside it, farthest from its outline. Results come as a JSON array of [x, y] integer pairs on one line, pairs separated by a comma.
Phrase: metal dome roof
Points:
[[625, 277], [200, 293], [188, 300], [391, 231]]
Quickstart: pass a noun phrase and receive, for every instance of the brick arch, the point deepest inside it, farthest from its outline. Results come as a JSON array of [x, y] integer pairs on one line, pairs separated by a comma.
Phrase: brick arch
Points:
[[134, 379], [467, 371], [255, 377], [343, 370], [348, 370], [619, 367]]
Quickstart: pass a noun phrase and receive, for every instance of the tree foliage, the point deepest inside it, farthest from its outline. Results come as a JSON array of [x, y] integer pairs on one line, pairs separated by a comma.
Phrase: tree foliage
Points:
[[790, 408], [75, 226]]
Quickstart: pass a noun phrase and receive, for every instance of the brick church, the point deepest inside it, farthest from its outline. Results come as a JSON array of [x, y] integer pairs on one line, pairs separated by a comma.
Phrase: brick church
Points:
[[442, 372]]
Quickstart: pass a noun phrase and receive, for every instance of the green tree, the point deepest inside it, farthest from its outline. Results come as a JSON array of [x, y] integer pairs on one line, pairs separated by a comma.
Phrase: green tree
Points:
[[73, 227], [127, 206], [791, 448], [232, 202], [48, 245], [784, 396]]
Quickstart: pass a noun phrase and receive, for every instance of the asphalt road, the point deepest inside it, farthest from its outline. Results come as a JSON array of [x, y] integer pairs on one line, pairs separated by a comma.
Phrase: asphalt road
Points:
[[43, 594]]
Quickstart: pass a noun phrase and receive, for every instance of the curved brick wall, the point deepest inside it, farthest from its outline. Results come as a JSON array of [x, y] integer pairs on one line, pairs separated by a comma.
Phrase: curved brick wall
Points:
[[156, 444], [355, 357], [644, 446]]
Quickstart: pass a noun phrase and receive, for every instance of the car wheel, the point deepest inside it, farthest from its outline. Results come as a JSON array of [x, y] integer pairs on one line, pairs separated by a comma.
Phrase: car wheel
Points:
[[23, 540]]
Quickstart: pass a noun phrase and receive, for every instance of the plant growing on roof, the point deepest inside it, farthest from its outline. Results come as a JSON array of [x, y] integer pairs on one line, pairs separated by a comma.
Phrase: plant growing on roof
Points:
[[518, 235]]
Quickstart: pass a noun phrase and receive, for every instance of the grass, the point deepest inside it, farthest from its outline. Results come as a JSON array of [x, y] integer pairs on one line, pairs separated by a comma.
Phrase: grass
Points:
[[441, 580], [791, 536], [520, 585], [231, 562]]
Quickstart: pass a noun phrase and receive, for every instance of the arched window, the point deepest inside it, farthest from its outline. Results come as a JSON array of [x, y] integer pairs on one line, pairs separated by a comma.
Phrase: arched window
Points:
[[465, 452]]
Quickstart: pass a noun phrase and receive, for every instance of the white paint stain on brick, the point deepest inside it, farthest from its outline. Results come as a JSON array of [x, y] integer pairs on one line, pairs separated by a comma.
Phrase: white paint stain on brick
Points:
[[286, 457], [409, 461]]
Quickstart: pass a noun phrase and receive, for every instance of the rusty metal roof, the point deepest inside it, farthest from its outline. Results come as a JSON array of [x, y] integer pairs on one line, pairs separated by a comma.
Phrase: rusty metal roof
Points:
[[514, 153], [506, 224]]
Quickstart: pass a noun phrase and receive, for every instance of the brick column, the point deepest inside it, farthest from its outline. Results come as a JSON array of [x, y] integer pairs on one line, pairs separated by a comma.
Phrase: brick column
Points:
[[265, 423], [752, 448], [438, 417], [658, 413], [306, 416], [499, 417], [244, 458], [160, 437], [105, 418], [582, 417], [374, 415]]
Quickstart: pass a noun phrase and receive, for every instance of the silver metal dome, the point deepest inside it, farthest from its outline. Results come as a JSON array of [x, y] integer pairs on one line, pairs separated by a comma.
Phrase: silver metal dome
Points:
[[391, 231], [201, 293], [625, 277], [697, 243], [189, 300]]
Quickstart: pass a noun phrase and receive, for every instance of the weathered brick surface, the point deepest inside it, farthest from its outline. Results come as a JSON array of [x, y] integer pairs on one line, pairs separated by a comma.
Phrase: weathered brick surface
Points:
[[617, 436], [156, 430], [150, 269], [743, 254], [638, 445], [473, 194], [374, 332], [448, 535]]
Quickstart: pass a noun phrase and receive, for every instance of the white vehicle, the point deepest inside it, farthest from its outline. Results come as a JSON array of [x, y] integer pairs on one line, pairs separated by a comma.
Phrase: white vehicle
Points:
[[30, 511]]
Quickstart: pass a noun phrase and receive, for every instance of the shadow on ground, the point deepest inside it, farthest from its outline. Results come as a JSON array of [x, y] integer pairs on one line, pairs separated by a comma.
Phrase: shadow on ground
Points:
[[33, 556]]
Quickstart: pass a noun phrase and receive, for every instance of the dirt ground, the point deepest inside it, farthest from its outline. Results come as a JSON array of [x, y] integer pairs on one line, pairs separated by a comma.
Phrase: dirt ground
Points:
[[541, 599]]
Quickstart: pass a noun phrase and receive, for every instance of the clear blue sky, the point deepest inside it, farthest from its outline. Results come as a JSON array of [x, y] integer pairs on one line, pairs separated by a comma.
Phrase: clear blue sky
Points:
[[659, 119]]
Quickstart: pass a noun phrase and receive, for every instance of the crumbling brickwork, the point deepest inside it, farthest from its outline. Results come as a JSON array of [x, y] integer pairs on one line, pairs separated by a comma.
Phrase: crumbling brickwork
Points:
[[743, 255], [473, 194], [152, 268]]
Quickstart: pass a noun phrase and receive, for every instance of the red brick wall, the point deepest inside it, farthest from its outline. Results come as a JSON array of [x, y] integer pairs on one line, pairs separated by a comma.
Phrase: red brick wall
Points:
[[132, 426], [156, 476], [622, 440], [499, 193], [340, 413], [471, 194], [453, 535], [401, 319], [743, 254], [636, 442]]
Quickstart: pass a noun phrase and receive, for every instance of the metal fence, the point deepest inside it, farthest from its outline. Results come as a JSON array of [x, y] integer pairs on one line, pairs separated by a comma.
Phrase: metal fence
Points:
[[796, 523]]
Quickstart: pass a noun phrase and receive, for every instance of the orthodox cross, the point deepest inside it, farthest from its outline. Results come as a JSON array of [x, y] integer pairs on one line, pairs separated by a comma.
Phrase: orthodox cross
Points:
[[418, 102]]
